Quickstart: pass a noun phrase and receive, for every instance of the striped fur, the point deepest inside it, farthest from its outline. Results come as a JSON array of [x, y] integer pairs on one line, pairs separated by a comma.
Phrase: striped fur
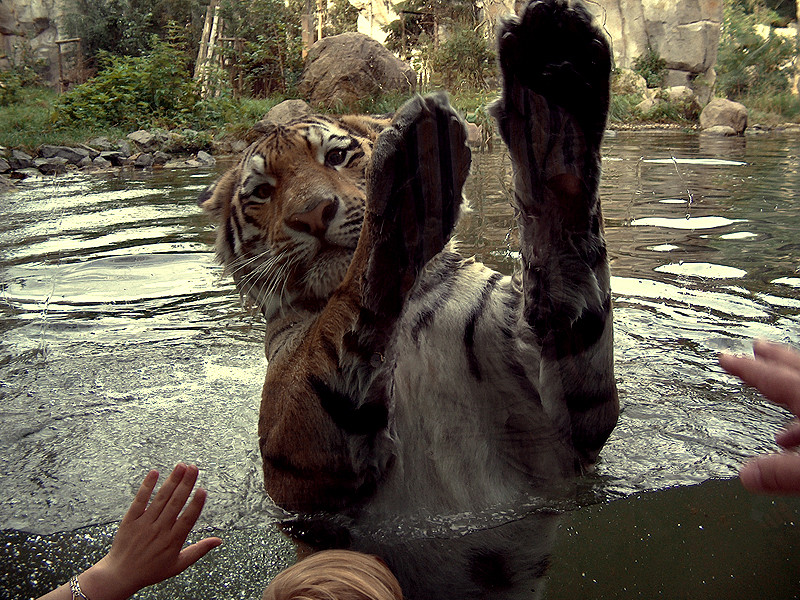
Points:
[[404, 378]]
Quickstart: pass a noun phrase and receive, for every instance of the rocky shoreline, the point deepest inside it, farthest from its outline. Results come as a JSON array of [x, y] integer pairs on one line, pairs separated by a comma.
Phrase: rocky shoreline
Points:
[[145, 149], [140, 150]]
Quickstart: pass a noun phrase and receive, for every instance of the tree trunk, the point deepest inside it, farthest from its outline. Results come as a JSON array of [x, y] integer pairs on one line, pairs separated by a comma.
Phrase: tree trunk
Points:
[[307, 25], [796, 84]]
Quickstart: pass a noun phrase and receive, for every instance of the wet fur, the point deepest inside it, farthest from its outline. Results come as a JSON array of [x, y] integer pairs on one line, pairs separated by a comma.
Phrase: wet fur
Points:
[[423, 382]]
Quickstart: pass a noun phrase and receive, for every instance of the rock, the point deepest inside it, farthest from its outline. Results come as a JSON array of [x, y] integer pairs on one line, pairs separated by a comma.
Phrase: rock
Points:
[[344, 69], [626, 81], [102, 143], [4, 166], [124, 146], [143, 160], [101, 163], [54, 165], [684, 34], [205, 159], [287, 111], [724, 112], [684, 97], [72, 155], [282, 112], [160, 158], [93, 153], [146, 141], [646, 105], [113, 157], [29, 30], [720, 130], [20, 160], [86, 161]]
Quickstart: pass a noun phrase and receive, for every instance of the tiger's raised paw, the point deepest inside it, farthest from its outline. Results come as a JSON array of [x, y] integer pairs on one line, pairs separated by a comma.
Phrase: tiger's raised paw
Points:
[[414, 196], [556, 68]]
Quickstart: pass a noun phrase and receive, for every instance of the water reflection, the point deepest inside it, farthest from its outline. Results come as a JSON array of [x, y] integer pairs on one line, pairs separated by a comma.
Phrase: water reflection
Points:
[[122, 347]]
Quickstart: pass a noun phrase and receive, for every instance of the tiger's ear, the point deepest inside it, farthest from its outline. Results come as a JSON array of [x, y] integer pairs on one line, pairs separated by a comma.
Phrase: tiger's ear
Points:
[[366, 125], [217, 196]]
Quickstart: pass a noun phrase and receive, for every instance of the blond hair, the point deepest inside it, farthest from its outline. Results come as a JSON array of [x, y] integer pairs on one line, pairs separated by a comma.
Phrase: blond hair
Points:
[[335, 575]]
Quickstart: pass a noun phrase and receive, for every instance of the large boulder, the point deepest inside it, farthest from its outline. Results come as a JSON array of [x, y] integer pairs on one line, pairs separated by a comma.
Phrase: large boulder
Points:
[[288, 110], [685, 34], [346, 68], [722, 112]]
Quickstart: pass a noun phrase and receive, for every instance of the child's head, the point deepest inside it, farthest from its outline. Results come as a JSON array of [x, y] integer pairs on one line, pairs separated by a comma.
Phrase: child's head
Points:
[[335, 575]]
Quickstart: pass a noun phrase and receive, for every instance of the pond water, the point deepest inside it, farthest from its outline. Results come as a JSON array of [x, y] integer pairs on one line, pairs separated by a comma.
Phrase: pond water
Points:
[[123, 348]]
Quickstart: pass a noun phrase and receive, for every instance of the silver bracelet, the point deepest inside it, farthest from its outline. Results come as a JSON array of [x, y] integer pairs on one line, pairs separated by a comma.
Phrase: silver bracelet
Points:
[[77, 594]]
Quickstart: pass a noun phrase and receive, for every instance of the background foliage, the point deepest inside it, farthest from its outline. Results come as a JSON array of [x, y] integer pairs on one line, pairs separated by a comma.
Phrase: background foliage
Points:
[[127, 27], [747, 62], [135, 92], [271, 57]]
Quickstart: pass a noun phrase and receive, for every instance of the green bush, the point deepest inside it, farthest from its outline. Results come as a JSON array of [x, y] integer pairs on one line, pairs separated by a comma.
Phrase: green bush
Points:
[[622, 108], [748, 64], [464, 60], [154, 90], [127, 26], [652, 67], [14, 80], [270, 57]]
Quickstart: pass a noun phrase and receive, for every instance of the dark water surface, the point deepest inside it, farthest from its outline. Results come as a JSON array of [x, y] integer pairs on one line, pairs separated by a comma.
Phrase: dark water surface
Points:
[[123, 348]]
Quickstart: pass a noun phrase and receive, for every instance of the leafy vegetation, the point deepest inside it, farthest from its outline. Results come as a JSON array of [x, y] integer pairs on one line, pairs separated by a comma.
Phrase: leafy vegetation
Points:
[[652, 67], [464, 60], [127, 27], [341, 18], [133, 92], [421, 20], [271, 53], [749, 64]]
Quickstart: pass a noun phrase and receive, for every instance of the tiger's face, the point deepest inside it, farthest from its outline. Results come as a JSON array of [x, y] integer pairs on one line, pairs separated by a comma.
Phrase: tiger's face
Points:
[[291, 210]]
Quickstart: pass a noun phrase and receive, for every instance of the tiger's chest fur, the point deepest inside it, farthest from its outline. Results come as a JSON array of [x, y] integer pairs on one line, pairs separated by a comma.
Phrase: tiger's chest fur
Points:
[[467, 421]]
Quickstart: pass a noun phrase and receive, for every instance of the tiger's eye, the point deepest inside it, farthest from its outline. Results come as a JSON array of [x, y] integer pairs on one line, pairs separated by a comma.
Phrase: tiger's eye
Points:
[[263, 191], [334, 158]]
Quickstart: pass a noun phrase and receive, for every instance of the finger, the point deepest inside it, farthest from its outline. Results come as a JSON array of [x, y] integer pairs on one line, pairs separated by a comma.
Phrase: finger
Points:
[[191, 554], [778, 353], [190, 515], [179, 495], [166, 491], [790, 436], [772, 474], [142, 497], [777, 382]]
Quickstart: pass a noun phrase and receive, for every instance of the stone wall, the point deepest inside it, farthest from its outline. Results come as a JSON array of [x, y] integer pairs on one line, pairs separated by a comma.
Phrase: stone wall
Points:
[[28, 32], [685, 33]]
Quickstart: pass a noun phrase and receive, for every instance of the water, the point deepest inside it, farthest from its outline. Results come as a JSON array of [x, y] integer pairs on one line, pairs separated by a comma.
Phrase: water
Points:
[[124, 348]]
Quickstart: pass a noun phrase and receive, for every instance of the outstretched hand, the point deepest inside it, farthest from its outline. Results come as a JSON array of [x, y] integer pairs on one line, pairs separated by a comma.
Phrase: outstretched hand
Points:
[[148, 547], [775, 372]]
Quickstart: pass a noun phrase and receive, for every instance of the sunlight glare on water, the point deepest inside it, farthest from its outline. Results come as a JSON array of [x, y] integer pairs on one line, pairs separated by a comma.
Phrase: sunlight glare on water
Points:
[[123, 347]]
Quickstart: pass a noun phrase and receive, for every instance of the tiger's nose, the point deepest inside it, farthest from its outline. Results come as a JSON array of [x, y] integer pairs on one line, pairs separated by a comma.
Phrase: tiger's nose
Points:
[[315, 221]]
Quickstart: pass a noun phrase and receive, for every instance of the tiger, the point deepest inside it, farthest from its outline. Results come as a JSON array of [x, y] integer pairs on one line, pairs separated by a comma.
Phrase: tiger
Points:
[[404, 378]]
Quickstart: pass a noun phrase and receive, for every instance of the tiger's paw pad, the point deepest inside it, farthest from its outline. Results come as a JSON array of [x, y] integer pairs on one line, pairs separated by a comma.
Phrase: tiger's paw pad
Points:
[[414, 187], [554, 50]]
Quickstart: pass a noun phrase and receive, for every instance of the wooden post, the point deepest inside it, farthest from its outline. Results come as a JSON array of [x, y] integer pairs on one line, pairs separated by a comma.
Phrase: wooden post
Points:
[[63, 83], [205, 56], [307, 25]]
